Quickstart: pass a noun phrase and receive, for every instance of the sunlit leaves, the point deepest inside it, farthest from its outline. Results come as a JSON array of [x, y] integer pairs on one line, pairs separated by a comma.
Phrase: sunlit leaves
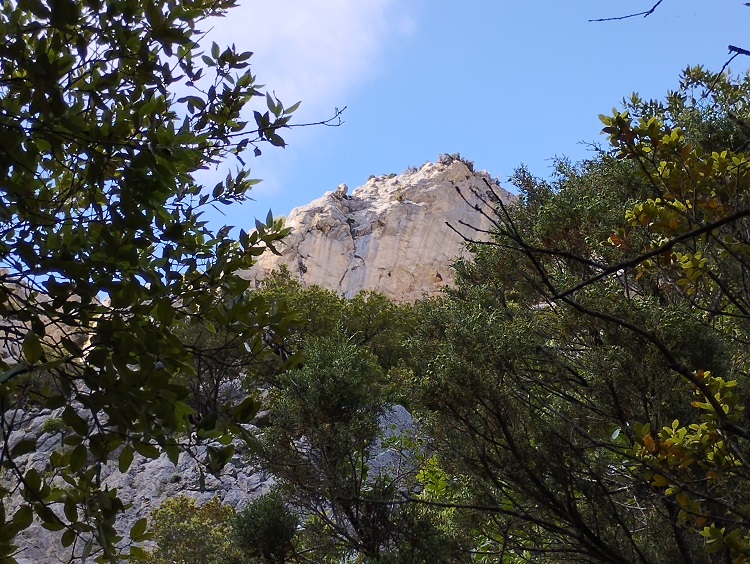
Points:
[[699, 219], [32, 348], [185, 531]]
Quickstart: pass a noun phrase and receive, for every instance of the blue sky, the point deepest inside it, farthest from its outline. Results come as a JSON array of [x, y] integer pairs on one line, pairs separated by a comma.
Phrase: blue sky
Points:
[[502, 83]]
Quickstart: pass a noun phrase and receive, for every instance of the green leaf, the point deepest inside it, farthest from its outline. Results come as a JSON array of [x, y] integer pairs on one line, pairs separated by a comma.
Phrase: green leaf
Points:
[[138, 553], [13, 371], [146, 449], [293, 108], [36, 7], [72, 440], [23, 447], [217, 458], [33, 482], [246, 410], [276, 140], [165, 312], [209, 422], [74, 421], [273, 106], [50, 521], [32, 348], [68, 538], [154, 15], [125, 459], [64, 12], [78, 458], [195, 101], [88, 547], [55, 402], [173, 453], [137, 531], [70, 509], [23, 518]]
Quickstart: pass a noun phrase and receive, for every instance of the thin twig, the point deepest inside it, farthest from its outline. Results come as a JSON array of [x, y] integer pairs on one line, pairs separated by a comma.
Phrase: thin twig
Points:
[[644, 14]]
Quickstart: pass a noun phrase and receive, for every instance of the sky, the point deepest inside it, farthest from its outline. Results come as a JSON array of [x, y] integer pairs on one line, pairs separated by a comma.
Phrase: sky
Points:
[[502, 83]]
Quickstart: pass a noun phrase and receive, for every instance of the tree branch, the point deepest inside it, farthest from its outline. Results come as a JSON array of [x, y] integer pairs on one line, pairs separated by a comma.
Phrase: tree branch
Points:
[[657, 251], [644, 14]]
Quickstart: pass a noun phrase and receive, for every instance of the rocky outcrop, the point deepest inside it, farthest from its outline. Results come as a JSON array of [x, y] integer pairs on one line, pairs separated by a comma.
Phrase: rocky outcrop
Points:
[[146, 484], [390, 235], [149, 482]]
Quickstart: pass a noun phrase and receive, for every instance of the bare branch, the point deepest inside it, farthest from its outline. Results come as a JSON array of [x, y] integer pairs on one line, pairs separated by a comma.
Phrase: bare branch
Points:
[[644, 14], [737, 52]]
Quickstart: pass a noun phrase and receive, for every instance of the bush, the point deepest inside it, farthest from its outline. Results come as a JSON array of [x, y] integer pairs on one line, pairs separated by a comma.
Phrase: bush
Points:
[[188, 533], [266, 529]]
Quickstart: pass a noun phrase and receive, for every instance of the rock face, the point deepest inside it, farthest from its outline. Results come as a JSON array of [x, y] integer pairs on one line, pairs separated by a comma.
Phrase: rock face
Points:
[[389, 235], [146, 484], [149, 482]]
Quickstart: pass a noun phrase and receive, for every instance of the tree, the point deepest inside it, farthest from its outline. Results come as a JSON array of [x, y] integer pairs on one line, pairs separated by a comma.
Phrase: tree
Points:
[[587, 378], [187, 533], [323, 434], [266, 528], [693, 232], [584, 384], [325, 421], [368, 319], [103, 243]]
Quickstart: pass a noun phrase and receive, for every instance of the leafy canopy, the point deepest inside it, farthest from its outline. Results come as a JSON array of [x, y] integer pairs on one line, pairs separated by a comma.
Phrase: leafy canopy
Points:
[[103, 242], [587, 379]]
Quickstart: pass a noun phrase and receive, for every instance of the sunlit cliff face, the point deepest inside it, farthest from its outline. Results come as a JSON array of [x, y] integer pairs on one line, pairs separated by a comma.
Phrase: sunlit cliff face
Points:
[[397, 234]]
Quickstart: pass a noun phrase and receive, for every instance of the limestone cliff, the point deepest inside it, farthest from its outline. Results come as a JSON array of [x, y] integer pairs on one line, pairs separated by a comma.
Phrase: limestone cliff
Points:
[[389, 235]]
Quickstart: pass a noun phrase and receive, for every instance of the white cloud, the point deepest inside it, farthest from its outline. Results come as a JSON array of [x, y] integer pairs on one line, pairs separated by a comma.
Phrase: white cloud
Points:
[[314, 50]]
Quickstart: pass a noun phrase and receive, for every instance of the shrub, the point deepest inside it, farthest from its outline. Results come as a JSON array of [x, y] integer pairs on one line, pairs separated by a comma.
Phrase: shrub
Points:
[[266, 529], [188, 533]]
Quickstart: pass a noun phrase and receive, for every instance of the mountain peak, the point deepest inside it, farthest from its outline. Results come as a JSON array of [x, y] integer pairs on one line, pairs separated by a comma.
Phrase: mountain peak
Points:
[[390, 235]]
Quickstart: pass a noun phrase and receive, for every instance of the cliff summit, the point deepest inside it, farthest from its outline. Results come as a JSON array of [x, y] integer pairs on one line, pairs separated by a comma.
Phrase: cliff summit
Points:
[[390, 235]]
